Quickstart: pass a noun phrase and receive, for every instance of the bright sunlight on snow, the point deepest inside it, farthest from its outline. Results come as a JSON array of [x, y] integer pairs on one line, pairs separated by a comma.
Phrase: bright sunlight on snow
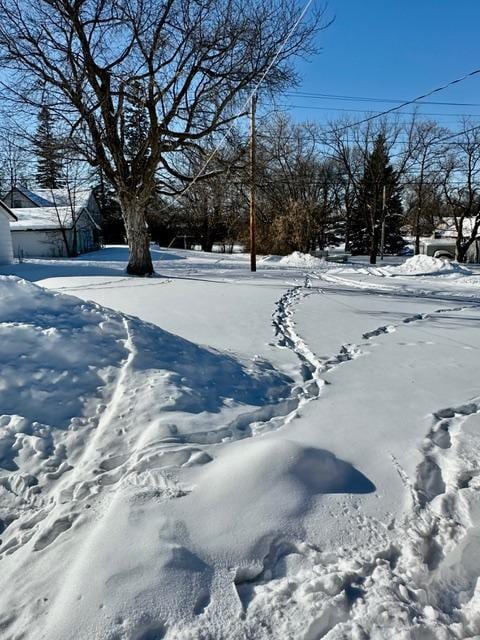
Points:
[[212, 454]]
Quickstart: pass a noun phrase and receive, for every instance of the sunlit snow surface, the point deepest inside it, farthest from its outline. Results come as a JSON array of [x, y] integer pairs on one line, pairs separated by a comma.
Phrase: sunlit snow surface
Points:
[[211, 453]]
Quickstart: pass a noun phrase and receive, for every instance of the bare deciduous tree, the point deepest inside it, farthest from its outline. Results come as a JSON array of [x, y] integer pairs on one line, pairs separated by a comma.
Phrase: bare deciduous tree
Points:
[[189, 63], [461, 187], [297, 187], [423, 169], [13, 161]]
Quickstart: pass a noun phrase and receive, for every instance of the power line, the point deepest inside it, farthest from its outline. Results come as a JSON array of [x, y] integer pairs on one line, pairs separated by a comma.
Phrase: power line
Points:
[[403, 113], [327, 96], [406, 103], [444, 139]]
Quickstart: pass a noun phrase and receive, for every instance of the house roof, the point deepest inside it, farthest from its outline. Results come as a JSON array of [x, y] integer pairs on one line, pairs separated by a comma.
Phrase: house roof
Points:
[[46, 218], [57, 208], [7, 210], [448, 229], [35, 198], [73, 198]]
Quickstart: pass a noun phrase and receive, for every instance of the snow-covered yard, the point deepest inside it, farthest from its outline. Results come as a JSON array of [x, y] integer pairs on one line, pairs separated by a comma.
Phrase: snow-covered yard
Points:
[[211, 454]]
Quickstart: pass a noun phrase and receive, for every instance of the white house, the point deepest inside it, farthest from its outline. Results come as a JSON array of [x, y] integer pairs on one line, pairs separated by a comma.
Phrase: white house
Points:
[[53, 223], [6, 249]]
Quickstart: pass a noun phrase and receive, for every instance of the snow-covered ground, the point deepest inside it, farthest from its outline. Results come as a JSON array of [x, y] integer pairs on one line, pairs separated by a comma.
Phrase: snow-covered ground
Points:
[[215, 454]]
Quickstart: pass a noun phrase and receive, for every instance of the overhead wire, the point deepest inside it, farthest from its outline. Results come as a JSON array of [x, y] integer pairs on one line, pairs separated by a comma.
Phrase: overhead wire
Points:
[[403, 113], [406, 103], [327, 96], [245, 104]]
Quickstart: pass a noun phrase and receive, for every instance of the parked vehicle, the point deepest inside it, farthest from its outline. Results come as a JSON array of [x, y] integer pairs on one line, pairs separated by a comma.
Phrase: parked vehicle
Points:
[[438, 248]]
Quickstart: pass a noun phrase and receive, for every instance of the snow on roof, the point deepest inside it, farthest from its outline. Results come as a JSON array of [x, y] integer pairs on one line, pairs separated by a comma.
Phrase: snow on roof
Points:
[[56, 212], [78, 198], [448, 229], [47, 218]]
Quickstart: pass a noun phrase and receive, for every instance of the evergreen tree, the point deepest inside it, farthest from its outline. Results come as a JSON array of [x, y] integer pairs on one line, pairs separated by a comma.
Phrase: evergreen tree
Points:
[[113, 227], [136, 123], [377, 204], [48, 150]]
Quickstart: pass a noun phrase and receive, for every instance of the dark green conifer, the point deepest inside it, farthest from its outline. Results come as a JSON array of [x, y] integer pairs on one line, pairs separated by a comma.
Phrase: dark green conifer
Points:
[[378, 203], [49, 173]]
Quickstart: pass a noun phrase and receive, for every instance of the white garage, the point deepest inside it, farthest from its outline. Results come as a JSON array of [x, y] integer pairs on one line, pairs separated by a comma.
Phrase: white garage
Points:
[[6, 250]]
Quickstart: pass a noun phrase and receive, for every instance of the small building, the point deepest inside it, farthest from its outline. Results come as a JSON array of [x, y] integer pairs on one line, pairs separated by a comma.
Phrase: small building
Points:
[[6, 248], [54, 223]]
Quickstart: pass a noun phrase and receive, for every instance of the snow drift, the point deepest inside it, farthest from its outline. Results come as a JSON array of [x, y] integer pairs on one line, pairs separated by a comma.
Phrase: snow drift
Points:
[[297, 259], [422, 265], [135, 503], [122, 515], [92, 400]]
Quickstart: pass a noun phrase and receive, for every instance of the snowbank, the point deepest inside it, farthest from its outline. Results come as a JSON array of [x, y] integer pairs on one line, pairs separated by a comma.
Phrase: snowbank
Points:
[[97, 411], [422, 265], [295, 259], [134, 505]]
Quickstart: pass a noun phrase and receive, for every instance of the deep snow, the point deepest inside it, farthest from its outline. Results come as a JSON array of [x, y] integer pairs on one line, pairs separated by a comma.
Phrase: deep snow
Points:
[[214, 454]]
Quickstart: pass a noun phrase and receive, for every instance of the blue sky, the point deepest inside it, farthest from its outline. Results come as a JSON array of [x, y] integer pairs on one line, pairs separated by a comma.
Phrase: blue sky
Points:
[[393, 49]]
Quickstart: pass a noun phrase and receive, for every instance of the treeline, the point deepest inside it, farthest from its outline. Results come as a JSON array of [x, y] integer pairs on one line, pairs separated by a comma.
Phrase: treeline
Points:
[[365, 186]]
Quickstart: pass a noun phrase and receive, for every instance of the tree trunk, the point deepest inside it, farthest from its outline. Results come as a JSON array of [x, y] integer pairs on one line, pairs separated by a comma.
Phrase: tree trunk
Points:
[[417, 232], [139, 259], [461, 251], [374, 246], [347, 230], [65, 241], [207, 245]]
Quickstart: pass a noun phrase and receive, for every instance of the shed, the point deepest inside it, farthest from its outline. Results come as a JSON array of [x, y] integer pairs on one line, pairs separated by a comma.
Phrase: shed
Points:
[[54, 223], [6, 249]]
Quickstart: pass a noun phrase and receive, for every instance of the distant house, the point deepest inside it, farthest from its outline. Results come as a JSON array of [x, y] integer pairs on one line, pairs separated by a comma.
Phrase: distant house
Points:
[[446, 227], [6, 249], [53, 223]]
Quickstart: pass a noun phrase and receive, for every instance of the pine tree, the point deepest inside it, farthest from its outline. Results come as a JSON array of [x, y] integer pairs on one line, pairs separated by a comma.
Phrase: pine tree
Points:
[[136, 123], [113, 227], [378, 203], [48, 150]]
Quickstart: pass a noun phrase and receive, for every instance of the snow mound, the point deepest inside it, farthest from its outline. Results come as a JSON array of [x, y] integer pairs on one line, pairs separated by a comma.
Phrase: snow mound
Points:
[[98, 407], [297, 260], [422, 265]]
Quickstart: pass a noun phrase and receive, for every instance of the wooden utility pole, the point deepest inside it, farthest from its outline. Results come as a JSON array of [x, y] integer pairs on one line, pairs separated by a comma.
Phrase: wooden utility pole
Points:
[[253, 247], [382, 242]]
